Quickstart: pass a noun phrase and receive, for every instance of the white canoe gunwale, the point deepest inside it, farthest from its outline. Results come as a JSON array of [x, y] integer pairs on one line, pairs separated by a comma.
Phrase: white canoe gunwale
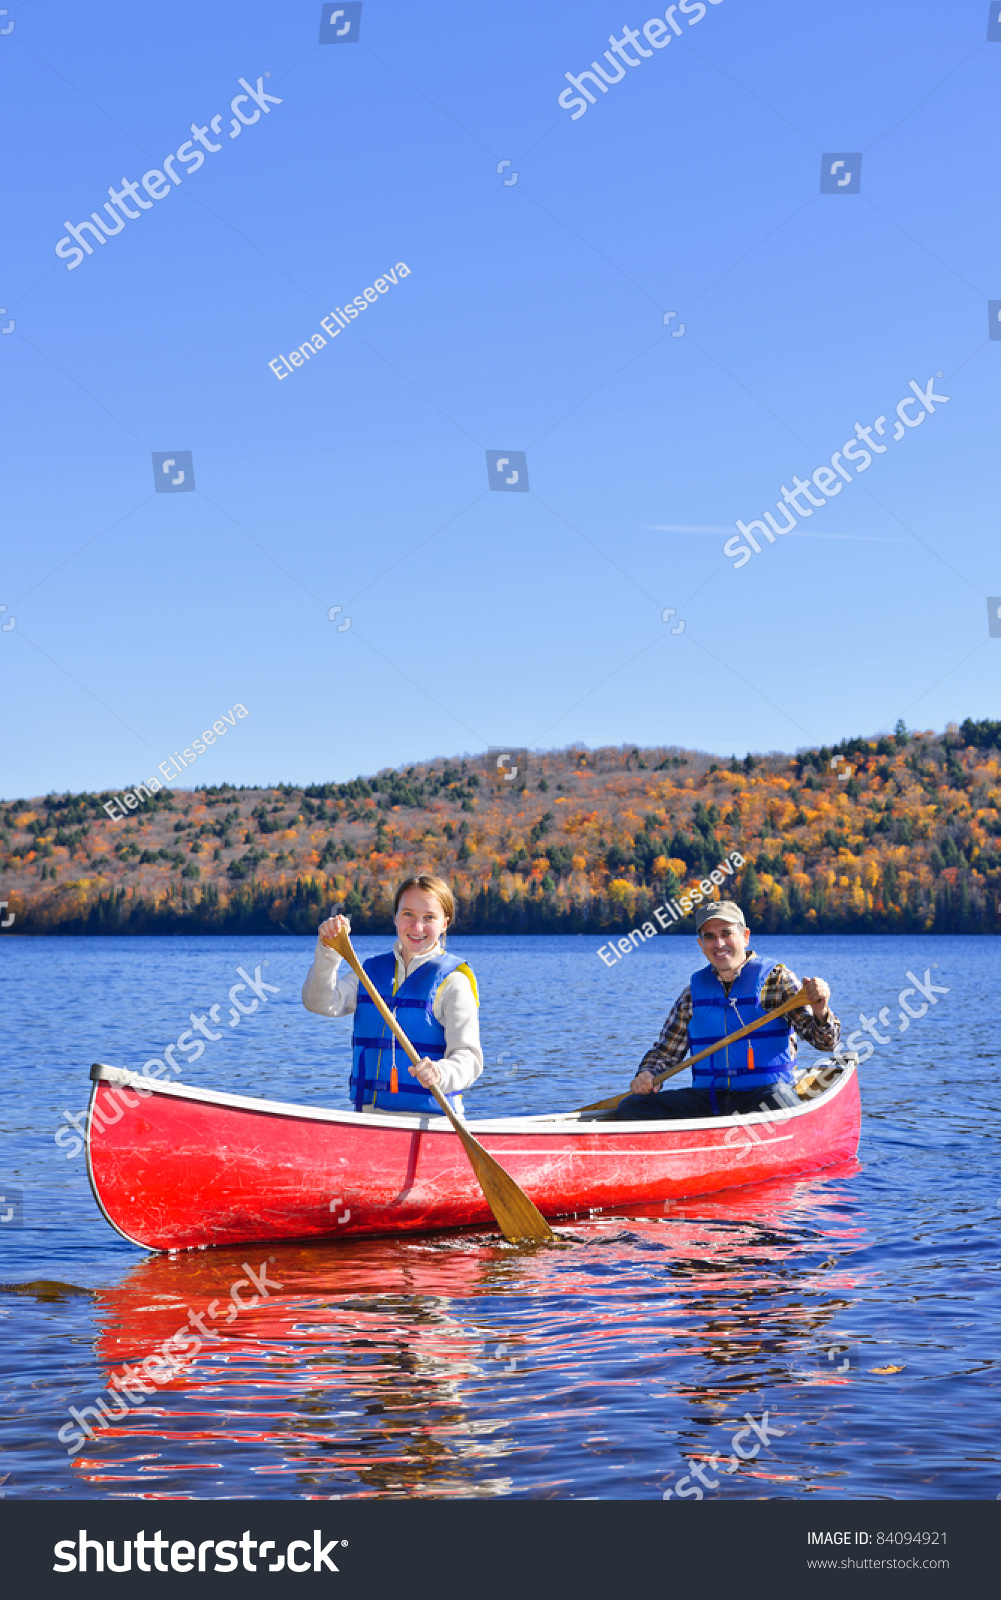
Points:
[[546, 1122]]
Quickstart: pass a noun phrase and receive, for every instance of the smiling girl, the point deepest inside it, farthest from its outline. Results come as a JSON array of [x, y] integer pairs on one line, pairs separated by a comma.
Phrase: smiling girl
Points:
[[432, 994]]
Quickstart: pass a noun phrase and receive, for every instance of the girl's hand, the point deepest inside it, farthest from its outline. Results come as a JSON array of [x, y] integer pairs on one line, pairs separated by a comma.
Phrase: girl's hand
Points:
[[331, 928], [426, 1072]]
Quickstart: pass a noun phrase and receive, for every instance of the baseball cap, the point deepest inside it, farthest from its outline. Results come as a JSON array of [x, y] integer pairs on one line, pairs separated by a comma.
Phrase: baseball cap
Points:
[[722, 910]]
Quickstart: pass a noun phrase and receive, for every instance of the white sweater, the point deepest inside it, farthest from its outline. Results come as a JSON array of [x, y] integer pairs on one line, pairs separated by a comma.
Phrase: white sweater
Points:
[[330, 995]]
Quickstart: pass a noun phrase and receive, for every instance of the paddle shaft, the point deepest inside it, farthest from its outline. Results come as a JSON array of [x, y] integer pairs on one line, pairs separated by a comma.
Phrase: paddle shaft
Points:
[[515, 1213], [798, 999]]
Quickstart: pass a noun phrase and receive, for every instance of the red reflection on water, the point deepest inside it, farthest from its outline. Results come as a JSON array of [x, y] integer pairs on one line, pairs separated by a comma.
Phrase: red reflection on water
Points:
[[433, 1366]]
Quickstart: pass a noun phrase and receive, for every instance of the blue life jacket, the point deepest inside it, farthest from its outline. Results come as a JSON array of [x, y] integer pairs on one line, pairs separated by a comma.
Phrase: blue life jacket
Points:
[[716, 1014], [372, 1043]]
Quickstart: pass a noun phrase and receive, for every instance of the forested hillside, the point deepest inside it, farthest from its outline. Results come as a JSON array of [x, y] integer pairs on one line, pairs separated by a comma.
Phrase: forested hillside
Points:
[[886, 834]]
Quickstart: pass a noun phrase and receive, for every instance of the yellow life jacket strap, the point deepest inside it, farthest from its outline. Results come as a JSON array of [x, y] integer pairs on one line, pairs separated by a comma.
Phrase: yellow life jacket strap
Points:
[[468, 971]]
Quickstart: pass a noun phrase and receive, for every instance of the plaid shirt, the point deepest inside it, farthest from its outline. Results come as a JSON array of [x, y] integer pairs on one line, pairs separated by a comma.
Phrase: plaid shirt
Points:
[[780, 985]]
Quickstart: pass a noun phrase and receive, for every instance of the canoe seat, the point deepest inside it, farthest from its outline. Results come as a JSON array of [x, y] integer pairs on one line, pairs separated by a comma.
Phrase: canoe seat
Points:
[[817, 1081]]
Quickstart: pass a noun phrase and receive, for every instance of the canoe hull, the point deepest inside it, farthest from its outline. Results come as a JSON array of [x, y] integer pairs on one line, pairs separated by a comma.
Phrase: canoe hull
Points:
[[174, 1168]]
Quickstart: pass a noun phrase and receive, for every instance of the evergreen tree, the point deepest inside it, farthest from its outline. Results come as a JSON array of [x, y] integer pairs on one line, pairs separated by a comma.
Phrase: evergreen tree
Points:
[[750, 884]]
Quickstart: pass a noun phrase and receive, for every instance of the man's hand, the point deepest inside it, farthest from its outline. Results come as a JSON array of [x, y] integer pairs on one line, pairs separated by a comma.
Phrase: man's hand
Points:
[[643, 1083], [818, 993], [427, 1073], [331, 928]]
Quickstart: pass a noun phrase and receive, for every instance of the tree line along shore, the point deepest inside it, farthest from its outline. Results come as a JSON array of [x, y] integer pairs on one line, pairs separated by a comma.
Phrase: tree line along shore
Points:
[[894, 833]]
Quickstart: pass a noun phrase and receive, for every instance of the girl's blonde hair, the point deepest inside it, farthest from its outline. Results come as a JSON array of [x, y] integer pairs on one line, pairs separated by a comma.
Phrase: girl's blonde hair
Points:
[[429, 884]]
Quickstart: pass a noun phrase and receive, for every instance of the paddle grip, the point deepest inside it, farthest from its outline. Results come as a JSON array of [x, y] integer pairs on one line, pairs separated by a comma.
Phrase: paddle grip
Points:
[[344, 948]]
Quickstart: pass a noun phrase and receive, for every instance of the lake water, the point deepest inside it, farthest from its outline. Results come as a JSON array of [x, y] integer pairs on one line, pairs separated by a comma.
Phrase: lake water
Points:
[[859, 1309]]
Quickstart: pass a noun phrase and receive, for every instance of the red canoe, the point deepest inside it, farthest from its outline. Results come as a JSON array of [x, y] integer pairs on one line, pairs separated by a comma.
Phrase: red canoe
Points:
[[173, 1167]]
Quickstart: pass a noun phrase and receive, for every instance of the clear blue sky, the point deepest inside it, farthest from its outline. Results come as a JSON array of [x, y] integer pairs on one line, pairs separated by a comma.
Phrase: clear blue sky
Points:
[[532, 320]]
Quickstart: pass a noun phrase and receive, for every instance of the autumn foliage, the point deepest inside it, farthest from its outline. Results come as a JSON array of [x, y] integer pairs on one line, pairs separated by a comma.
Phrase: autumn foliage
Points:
[[889, 834]]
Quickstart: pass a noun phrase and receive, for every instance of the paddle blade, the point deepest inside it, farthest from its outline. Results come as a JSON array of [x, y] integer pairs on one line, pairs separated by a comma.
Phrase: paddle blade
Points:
[[515, 1215], [517, 1218]]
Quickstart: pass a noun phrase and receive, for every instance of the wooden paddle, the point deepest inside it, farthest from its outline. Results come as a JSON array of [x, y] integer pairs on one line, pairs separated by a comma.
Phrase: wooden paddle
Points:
[[516, 1216], [798, 999]]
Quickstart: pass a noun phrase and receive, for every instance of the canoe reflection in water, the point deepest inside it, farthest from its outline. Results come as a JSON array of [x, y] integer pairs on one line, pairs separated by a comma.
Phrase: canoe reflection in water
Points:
[[469, 1368]]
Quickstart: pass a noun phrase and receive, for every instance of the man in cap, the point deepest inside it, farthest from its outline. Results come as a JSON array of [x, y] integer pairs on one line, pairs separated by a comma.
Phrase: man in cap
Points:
[[734, 988]]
